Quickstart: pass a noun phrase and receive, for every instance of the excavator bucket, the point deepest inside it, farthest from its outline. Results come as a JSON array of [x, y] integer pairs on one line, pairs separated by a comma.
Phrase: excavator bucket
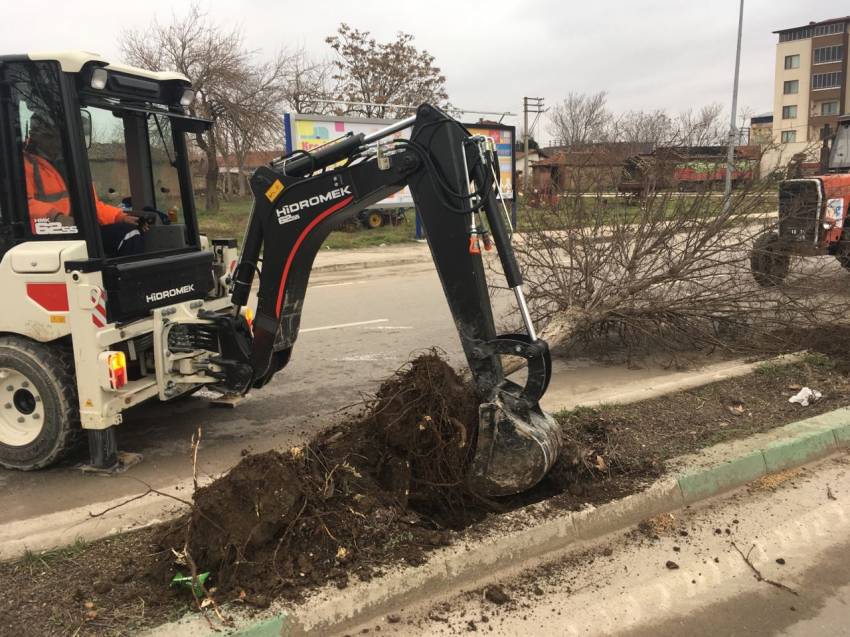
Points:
[[514, 451]]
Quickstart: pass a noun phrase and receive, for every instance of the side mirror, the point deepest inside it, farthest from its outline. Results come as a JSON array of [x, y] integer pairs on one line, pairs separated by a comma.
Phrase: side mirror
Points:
[[85, 118]]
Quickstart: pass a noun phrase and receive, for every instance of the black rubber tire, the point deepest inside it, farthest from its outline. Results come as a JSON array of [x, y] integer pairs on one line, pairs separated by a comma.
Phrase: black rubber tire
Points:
[[843, 255], [50, 368], [373, 220], [770, 260]]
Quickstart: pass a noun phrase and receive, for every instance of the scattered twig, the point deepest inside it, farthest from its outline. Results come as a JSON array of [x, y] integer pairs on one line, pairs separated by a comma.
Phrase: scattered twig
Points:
[[757, 573], [150, 490], [196, 442], [120, 504]]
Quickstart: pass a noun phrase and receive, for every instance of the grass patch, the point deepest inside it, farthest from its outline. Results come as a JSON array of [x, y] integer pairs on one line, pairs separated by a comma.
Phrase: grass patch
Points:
[[63, 553], [816, 359], [771, 368], [610, 210], [231, 220]]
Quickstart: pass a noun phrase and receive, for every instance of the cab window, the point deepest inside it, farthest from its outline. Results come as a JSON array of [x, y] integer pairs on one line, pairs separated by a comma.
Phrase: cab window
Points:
[[38, 109], [165, 177], [132, 163]]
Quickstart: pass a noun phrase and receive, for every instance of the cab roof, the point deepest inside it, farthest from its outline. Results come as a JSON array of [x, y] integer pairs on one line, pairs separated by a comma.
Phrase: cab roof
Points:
[[74, 61]]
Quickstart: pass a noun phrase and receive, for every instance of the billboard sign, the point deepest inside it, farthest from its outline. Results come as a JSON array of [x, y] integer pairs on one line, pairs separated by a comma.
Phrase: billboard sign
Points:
[[306, 132]]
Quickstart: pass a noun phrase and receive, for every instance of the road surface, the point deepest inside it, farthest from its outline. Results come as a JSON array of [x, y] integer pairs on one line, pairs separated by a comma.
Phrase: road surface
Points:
[[684, 576]]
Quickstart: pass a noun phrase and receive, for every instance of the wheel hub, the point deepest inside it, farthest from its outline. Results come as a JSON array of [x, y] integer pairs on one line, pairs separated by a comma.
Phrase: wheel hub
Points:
[[21, 409]]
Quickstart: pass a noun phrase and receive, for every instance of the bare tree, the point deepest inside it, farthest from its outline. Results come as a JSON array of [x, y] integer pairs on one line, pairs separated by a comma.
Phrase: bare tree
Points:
[[674, 272], [644, 127], [238, 94], [580, 119], [307, 81], [253, 121], [373, 72], [705, 127]]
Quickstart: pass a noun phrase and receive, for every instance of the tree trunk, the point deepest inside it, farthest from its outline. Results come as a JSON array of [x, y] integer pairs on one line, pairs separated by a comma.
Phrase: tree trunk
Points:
[[212, 176], [243, 182]]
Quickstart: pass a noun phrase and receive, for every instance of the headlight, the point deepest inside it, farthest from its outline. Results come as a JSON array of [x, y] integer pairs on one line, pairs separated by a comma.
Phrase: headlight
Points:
[[187, 98], [98, 79]]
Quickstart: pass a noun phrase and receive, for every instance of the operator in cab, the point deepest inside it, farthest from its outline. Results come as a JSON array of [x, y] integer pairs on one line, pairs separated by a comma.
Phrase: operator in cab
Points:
[[48, 198]]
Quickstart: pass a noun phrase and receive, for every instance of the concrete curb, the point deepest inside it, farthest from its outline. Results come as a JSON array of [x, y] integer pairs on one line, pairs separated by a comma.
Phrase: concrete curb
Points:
[[558, 398], [472, 562], [377, 263]]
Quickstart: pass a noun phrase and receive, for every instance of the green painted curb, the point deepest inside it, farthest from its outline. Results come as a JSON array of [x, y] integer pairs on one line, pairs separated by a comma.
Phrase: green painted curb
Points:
[[806, 446], [842, 435], [722, 477], [274, 627]]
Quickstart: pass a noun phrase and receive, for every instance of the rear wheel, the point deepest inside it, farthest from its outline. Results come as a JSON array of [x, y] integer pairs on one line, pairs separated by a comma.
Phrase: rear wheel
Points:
[[373, 220], [770, 260], [39, 414]]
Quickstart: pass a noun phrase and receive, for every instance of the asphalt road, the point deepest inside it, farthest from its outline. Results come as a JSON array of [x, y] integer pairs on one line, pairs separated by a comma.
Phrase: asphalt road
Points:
[[358, 326], [794, 528]]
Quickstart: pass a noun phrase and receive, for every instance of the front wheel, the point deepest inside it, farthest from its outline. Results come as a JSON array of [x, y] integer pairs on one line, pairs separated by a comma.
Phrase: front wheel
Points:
[[770, 260], [843, 254], [39, 414]]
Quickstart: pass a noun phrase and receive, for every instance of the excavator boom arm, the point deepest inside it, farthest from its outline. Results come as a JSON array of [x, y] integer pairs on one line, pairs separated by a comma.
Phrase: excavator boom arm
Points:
[[298, 202]]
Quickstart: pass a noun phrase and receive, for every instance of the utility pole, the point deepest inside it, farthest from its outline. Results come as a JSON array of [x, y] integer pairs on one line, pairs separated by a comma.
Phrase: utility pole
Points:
[[529, 105], [730, 153]]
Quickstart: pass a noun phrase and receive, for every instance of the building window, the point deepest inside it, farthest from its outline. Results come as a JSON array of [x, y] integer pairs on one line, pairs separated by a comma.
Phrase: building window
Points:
[[789, 136], [826, 80], [829, 108], [789, 112], [792, 61], [808, 32], [791, 87], [826, 54], [829, 29]]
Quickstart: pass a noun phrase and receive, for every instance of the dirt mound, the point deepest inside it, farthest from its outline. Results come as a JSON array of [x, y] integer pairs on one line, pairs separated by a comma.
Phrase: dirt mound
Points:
[[419, 438], [239, 515], [390, 481]]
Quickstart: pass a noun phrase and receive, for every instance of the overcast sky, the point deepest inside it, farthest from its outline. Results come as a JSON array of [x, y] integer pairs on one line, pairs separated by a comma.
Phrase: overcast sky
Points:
[[647, 54]]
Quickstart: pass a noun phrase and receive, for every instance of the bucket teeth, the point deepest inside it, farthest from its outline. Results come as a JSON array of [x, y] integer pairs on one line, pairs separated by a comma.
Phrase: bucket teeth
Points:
[[514, 451]]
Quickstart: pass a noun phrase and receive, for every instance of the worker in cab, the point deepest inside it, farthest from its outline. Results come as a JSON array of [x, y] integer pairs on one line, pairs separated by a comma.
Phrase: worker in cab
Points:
[[49, 201]]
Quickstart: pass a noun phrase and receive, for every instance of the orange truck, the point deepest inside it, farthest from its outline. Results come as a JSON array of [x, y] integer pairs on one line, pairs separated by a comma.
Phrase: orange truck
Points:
[[812, 215]]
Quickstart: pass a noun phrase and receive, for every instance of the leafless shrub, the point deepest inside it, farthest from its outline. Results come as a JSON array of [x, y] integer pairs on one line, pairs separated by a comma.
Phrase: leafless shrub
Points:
[[669, 271]]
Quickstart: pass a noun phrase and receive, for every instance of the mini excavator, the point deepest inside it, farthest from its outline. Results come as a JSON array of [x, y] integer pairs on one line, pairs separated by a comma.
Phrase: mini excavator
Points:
[[96, 330]]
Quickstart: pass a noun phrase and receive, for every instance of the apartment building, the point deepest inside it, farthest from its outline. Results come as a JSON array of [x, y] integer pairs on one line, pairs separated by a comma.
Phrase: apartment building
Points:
[[811, 86]]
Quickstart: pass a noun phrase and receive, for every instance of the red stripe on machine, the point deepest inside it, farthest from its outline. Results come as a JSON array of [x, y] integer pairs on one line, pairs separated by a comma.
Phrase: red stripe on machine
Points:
[[53, 297], [337, 206], [98, 312]]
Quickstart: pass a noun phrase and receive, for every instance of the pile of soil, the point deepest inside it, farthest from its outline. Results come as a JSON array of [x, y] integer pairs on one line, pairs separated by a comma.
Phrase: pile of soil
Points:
[[382, 488], [385, 485]]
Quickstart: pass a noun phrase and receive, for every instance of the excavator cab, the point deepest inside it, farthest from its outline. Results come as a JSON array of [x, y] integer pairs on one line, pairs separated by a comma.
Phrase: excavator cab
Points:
[[99, 252]]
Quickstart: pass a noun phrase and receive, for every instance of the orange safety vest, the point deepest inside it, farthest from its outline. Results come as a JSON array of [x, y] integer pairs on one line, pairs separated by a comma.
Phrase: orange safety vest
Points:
[[47, 193]]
